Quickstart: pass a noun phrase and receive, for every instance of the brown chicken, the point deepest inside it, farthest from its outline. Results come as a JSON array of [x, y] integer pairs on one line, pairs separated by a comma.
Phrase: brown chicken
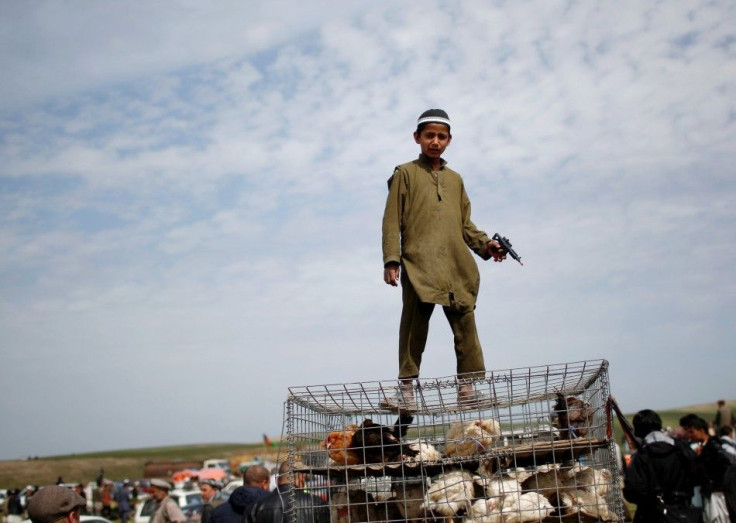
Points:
[[573, 416], [338, 445]]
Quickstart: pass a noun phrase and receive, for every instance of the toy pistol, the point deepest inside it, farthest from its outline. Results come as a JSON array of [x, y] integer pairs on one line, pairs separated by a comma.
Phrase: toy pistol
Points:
[[506, 246]]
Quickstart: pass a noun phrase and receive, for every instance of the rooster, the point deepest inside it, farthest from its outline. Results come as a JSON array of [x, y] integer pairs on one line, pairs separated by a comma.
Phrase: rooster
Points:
[[338, 445], [374, 443], [572, 416]]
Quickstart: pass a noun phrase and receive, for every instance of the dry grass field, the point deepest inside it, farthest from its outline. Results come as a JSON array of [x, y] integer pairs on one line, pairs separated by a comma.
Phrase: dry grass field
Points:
[[117, 465]]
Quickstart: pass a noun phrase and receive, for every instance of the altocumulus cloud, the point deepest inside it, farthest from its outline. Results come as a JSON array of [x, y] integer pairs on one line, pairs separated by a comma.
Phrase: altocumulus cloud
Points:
[[191, 200]]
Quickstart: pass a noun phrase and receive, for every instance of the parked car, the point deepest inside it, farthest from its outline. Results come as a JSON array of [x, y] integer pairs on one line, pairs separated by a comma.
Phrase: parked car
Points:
[[188, 499]]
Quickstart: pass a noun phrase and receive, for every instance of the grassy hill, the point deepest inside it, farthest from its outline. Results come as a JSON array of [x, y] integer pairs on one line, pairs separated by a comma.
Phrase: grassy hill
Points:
[[129, 463], [118, 464]]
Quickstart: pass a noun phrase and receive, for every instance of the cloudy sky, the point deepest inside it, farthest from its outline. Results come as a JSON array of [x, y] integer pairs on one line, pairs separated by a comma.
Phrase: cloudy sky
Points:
[[191, 198]]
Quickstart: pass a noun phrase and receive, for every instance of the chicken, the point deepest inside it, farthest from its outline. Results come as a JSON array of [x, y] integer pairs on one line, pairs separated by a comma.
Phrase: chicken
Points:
[[531, 506], [521, 474], [471, 438], [450, 493], [572, 416], [374, 443], [338, 446], [596, 481], [485, 511], [547, 481], [353, 505], [425, 451], [409, 501], [586, 503], [499, 486]]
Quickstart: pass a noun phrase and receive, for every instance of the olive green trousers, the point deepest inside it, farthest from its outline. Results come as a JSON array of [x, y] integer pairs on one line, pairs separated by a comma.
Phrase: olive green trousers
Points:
[[413, 331]]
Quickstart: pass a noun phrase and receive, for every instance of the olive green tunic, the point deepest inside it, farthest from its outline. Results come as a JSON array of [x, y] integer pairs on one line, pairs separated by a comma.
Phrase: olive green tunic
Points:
[[427, 229]]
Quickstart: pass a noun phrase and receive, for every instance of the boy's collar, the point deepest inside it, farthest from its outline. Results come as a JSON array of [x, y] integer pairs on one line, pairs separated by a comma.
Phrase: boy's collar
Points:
[[424, 160]]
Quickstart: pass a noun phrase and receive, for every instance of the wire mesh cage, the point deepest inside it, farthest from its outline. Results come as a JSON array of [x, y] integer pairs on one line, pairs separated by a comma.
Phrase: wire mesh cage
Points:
[[527, 444]]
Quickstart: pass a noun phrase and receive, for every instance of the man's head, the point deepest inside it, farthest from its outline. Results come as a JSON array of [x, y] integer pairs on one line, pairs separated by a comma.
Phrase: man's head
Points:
[[159, 489], [55, 503], [433, 132], [696, 428], [209, 488], [257, 476], [721, 403], [646, 421], [726, 430]]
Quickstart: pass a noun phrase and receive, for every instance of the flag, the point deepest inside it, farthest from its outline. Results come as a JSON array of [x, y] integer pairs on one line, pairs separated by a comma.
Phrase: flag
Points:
[[267, 441]]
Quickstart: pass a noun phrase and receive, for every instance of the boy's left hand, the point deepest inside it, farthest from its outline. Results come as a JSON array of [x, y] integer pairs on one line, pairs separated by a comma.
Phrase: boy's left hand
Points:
[[496, 251]]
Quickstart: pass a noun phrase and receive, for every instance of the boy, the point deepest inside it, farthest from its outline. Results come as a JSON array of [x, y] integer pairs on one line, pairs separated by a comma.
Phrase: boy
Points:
[[427, 230]]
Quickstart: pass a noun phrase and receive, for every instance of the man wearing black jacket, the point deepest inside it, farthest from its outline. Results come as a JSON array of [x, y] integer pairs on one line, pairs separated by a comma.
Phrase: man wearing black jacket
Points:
[[256, 480], [663, 467], [272, 509]]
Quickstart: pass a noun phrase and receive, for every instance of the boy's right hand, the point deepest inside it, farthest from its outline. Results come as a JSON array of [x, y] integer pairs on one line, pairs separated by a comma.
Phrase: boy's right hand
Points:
[[391, 274]]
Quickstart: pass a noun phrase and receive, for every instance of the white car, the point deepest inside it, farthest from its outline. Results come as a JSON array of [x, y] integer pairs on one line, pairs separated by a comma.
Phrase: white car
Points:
[[146, 505]]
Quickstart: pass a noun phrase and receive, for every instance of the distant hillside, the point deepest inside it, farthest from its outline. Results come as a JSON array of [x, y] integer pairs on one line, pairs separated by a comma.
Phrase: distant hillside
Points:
[[118, 464]]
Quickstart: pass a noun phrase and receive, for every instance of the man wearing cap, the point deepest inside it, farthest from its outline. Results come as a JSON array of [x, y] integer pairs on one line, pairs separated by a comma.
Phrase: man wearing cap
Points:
[[167, 510], [55, 504], [427, 239], [211, 497]]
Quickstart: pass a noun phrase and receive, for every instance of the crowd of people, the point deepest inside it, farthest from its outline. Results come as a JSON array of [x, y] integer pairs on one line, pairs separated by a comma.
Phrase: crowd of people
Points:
[[106, 498], [687, 473], [253, 502]]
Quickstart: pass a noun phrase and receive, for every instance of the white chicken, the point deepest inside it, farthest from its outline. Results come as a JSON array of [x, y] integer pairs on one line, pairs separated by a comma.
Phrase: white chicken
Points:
[[425, 451], [586, 503], [471, 437], [499, 486], [520, 474], [449, 493], [531, 506], [485, 511], [597, 481]]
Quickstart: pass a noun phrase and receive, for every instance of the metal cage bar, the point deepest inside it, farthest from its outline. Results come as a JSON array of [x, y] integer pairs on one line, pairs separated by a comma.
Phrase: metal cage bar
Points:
[[531, 444]]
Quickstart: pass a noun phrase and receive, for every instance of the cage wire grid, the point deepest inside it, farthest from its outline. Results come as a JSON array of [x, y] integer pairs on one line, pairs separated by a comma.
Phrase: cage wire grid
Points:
[[534, 444]]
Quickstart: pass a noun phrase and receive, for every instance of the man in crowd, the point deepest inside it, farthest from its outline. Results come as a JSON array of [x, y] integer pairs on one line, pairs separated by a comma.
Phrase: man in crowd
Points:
[[662, 467], [211, 498], [272, 508], [724, 416], [255, 487], [122, 497], [55, 504], [712, 465], [167, 510]]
